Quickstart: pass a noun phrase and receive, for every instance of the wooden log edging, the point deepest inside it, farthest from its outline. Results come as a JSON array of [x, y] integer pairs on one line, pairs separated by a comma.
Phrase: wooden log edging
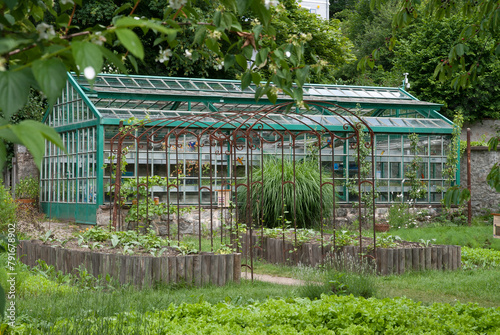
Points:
[[141, 271], [387, 261]]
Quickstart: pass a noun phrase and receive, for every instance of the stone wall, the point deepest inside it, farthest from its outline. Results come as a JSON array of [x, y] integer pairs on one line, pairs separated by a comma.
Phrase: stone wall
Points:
[[483, 196], [479, 130], [164, 224], [25, 165]]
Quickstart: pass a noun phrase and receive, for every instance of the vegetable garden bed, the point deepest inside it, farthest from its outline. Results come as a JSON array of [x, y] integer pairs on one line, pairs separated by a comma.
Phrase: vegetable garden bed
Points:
[[398, 260], [141, 270]]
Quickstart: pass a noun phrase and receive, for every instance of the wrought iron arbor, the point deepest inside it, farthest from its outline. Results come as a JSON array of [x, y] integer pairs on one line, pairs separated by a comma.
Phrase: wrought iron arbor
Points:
[[216, 163]]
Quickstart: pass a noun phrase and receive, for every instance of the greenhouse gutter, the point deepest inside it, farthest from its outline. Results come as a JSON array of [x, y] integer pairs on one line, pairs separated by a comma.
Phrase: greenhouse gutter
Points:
[[335, 128]]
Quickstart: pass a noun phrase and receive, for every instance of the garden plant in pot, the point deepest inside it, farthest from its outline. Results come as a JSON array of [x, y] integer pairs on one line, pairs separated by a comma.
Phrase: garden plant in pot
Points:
[[27, 190]]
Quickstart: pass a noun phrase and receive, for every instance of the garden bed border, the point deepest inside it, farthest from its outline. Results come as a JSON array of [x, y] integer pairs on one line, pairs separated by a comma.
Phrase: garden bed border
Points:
[[387, 260], [138, 270]]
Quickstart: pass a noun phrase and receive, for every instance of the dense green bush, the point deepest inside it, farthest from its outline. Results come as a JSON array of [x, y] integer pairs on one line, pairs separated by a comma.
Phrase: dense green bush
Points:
[[7, 208], [277, 206]]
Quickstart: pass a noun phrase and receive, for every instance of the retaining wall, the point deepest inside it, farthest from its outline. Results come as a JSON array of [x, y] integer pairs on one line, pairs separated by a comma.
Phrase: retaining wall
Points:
[[141, 271], [387, 261]]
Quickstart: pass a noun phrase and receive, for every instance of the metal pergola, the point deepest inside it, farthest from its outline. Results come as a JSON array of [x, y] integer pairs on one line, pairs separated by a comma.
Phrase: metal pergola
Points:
[[86, 117]]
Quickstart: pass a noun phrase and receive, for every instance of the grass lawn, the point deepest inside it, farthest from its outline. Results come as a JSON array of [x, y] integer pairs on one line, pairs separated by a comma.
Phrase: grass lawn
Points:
[[473, 237], [43, 306], [476, 286]]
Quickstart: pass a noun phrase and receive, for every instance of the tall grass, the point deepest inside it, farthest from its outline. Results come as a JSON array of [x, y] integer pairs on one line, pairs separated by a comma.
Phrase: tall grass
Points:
[[276, 197]]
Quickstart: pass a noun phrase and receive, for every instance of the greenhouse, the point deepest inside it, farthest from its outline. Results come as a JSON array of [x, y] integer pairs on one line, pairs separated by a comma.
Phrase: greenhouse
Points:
[[159, 126]]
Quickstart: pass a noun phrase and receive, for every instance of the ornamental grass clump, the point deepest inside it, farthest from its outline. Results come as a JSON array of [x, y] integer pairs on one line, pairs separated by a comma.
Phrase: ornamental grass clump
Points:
[[274, 202]]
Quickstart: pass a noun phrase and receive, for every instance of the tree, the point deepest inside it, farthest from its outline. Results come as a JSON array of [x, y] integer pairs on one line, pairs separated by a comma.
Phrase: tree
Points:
[[459, 68], [369, 30], [36, 54], [427, 45]]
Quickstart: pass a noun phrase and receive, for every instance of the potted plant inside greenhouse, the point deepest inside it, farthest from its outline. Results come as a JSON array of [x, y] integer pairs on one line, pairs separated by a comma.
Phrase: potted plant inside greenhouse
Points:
[[27, 190]]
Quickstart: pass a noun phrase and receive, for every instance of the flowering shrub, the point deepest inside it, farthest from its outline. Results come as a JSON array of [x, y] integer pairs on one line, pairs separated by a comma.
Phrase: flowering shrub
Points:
[[401, 217]]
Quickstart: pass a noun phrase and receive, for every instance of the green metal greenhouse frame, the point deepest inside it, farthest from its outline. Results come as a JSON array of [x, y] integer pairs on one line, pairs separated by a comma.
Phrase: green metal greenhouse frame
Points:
[[86, 117]]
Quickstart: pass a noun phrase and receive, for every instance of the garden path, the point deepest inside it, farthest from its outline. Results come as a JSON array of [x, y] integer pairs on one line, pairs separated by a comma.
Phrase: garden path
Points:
[[272, 279]]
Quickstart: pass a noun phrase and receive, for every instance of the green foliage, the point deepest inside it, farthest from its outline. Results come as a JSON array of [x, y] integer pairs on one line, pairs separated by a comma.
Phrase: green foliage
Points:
[[483, 258], [96, 233], [455, 195], [27, 188], [369, 30], [400, 217], [418, 188], [7, 208], [128, 241], [481, 22], [472, 237], [276, 200], [293, 316], [40, 38], [325, 44], [426, 45]]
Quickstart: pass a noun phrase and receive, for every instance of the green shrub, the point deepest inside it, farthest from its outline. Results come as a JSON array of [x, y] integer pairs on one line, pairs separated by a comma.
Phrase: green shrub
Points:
[[308, 194], [400, 216], [27, 188], [7, 208]]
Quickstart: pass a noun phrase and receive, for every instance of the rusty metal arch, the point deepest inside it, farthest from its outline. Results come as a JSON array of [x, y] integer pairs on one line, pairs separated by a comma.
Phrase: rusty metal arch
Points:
[[215, 130]]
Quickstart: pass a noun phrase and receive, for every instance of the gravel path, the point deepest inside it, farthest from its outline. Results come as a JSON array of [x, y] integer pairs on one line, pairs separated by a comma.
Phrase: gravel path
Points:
[[272, 279]]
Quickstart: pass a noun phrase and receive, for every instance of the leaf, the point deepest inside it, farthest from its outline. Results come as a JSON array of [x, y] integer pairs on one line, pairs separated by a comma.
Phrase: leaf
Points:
[[3, 156], [242, 6], [212, 45], [246, 79], [242, 61], [493, 143], [122, 8], [8, 44], [229, 61], [256, 78], [301, 75], [131, 41], [33, 134], [11, 4], [51, 76], [460, 49], [200, 35], [130, 22], [133, 61], [87, 54], [111, 57], [14, 90], [493, 177]]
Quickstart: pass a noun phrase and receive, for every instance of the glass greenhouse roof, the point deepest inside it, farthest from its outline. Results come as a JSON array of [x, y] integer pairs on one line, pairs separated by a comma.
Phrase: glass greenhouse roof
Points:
[[119, 97], [224, 91]]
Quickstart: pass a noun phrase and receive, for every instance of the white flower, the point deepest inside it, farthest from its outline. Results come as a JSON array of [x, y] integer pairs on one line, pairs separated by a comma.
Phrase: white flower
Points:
[[97, 38], [188, 53], [288, 54], [89, 72], [164, 55], [64, 2], [176, 4], [46, 31]]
